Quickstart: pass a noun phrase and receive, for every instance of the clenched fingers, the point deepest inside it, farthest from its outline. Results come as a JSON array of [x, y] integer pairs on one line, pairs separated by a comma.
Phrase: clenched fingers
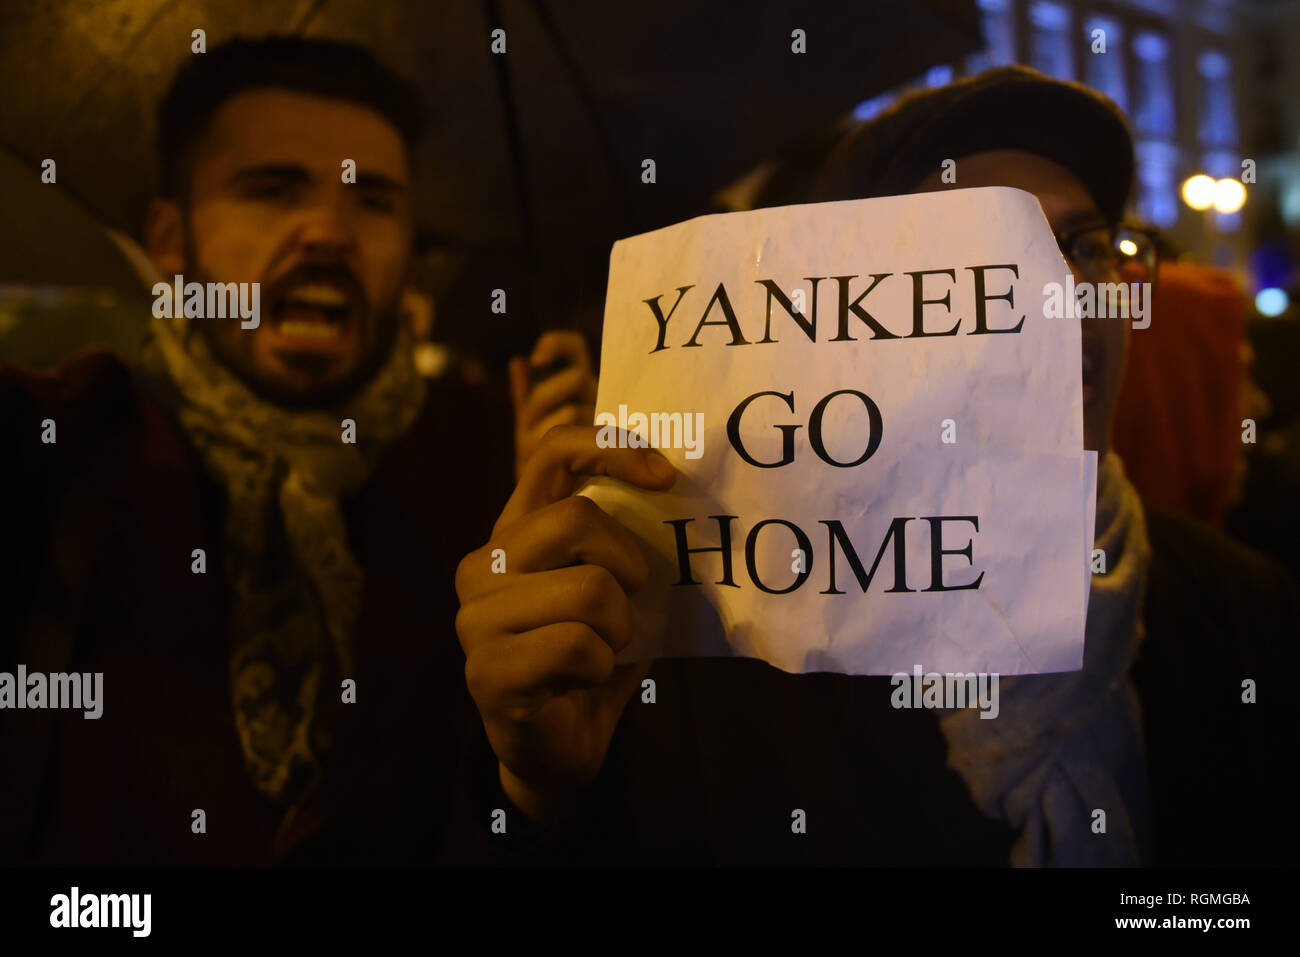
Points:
[[566, 455], [583, 593]]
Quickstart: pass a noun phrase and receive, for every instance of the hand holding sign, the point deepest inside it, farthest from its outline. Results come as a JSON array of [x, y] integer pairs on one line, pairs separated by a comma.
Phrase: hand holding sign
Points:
[[540, 632]]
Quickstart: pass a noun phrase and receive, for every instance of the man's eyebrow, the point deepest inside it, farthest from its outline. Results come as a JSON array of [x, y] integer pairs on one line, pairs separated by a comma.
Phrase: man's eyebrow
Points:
[[381, 181], [286, 172], [293, 173]]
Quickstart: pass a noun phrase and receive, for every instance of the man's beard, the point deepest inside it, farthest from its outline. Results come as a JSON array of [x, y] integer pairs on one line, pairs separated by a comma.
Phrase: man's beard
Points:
[[384, 321], [332, 395]]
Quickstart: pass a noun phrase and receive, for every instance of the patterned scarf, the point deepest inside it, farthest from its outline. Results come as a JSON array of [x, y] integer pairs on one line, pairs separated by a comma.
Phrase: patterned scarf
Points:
[[296, 587], [1066, 745]]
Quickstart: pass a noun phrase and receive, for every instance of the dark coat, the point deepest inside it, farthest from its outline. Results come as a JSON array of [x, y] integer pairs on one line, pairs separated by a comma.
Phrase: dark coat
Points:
[[95, 576], [1222, 772], [713, 771], [96, 559]]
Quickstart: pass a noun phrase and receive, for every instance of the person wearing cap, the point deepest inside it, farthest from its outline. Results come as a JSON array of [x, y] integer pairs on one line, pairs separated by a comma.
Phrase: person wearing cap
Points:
[[1183, 615], [1153, 731]]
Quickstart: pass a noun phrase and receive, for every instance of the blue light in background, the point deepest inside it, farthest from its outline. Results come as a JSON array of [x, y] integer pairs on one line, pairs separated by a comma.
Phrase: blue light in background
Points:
[[870, 109], [1271, 264], [1272, 301], [938, 75], [998, 27], [1105, 71], [1050, 48]]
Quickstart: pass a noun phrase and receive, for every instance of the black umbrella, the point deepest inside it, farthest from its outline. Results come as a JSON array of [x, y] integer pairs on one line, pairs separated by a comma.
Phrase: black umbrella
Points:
[[539, 150]]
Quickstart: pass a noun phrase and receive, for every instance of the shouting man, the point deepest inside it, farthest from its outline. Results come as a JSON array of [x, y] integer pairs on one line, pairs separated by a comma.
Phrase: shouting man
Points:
[[247, 532]]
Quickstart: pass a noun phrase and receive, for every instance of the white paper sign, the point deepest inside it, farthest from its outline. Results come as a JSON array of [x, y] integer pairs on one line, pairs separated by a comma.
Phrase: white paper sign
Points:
[[888, 464]]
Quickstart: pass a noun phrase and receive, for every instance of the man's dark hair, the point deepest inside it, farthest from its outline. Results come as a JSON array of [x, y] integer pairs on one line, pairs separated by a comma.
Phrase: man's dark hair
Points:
[[326, 68]]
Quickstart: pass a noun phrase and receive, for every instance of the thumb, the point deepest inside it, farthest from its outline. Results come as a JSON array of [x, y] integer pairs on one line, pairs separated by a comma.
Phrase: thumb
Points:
[[569, 453]]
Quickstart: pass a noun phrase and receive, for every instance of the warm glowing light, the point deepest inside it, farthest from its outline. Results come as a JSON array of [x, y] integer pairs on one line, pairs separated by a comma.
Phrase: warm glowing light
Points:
[[1272, 302], [1229, 195], [1198, 192], [1128, 247]]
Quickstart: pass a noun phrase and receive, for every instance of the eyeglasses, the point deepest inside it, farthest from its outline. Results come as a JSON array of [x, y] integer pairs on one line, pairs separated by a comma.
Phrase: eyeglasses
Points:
[[1104, 249]]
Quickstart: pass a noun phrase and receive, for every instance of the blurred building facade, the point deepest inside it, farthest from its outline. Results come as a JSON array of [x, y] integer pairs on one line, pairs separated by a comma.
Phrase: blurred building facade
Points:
[[1206, 84]]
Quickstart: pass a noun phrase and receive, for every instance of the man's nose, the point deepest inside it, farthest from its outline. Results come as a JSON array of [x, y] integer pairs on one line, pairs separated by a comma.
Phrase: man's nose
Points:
[[327, 229]]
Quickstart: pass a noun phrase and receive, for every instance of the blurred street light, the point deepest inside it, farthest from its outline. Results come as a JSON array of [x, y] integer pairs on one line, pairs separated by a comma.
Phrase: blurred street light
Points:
[[1198, 191], [1229, 195]]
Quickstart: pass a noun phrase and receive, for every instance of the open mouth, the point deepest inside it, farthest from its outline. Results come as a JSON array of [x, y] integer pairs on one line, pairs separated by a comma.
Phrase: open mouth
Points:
[[313, 316]]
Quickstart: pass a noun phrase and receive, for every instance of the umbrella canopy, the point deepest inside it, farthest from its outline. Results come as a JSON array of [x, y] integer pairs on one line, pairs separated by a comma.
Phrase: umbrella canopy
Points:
[[593, 89], [534, 162], [53, 239]]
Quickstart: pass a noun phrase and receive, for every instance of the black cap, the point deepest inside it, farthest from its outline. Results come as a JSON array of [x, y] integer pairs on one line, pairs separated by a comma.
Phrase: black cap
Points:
[[1010, 107]]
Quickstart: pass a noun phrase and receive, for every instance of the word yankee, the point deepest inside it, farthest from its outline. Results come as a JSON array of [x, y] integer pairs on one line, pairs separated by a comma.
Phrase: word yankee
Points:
[[213, 300], [847, 305]]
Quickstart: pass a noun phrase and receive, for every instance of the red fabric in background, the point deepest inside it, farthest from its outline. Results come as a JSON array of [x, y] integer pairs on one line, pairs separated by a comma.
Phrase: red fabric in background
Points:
[[1177, 425]]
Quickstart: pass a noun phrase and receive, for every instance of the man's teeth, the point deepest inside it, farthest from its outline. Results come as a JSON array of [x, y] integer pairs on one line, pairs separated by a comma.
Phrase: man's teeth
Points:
[[316, 294], [315, 330]]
